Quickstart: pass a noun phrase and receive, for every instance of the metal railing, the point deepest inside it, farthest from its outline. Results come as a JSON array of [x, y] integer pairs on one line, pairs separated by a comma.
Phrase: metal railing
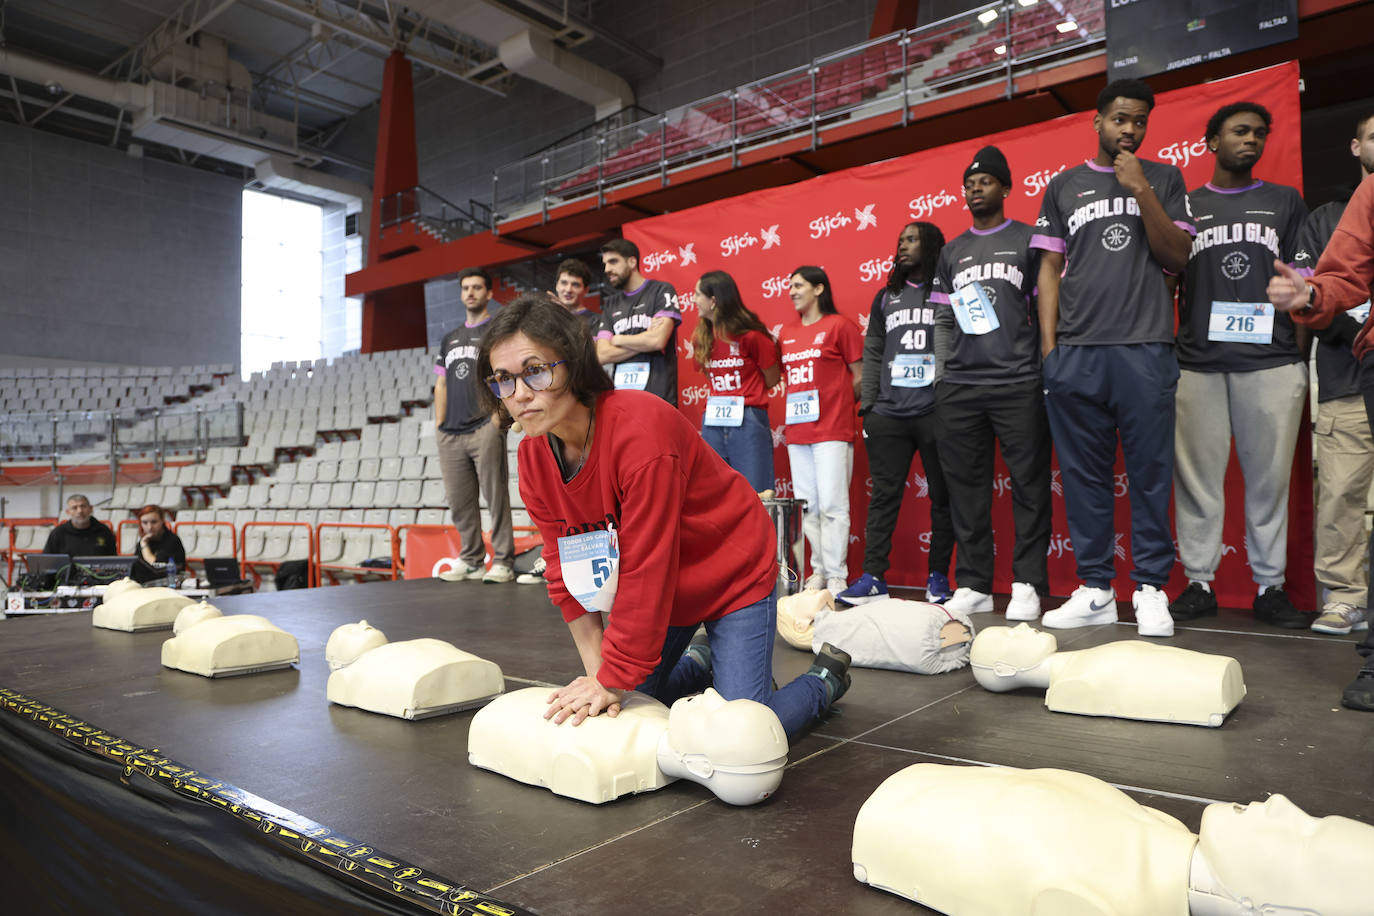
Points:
[[442, 218], [99, 436], [987, 45]]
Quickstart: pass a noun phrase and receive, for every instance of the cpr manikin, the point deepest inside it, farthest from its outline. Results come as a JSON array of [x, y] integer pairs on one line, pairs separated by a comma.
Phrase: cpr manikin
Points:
[[735, 748], [133, 609], [1130, 679], [119, 587], [212, 645], [1066, 843], [412, 679], [890, 633]]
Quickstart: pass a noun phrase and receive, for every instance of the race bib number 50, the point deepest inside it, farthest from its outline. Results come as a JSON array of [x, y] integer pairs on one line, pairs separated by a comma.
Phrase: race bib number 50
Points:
[[591, 567]]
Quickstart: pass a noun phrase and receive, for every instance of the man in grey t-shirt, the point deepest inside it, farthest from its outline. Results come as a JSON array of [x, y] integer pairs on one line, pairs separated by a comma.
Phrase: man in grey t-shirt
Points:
[[472, 443], [1106, 333], [1243, 372]]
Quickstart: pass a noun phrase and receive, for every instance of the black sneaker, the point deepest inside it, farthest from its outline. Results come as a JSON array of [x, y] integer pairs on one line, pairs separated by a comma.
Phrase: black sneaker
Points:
[[1195, 602], [832, 667], [1360, 693], [1273, 607]]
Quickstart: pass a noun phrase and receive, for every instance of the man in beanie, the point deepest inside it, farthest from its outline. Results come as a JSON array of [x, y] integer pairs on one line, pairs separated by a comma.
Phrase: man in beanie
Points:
[[1122, 225], [987, 331], [1244, 373]]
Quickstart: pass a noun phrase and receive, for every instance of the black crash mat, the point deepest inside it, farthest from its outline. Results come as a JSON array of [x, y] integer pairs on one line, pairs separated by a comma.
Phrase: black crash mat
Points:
[[406, 787]]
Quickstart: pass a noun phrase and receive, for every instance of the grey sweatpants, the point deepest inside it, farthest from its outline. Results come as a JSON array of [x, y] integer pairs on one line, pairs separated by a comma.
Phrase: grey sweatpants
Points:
[[471, 462], [1261, 409]]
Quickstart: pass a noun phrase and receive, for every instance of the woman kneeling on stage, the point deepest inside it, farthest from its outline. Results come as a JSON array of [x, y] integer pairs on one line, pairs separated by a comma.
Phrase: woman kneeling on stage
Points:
[[647, 533]]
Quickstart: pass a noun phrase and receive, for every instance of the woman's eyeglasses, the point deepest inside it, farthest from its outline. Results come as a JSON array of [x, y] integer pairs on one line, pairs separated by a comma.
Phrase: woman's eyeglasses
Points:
[[537, 376]]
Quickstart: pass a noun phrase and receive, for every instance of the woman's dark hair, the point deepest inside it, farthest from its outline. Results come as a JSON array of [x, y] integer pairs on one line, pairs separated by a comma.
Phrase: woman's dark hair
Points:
[[731, 316], [817, 277], [550, 326], [932, 240]]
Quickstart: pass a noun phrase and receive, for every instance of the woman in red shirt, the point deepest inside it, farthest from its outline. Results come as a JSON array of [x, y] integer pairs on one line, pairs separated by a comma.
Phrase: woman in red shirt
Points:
[[822, 359], [643, 523], [740, 359]]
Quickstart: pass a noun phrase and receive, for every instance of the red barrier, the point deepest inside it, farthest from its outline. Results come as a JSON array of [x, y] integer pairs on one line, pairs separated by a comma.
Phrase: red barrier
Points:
[[233, 538], [848, 222], [249, 566], [437, 547], [10, 539], [322, 567]]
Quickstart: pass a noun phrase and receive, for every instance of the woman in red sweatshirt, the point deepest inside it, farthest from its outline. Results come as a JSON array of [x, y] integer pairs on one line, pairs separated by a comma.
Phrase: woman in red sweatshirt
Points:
[[647, 532]]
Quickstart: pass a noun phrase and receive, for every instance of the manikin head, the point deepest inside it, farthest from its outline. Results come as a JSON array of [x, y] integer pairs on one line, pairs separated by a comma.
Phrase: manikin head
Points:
[[193, 614], [1240, 845], [348, 642], [1002, 656], [796, 614], [735, 748]]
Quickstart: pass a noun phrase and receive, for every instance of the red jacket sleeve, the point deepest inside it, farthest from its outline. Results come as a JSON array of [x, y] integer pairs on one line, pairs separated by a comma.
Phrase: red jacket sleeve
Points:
[[650, 520], [1346, 267]]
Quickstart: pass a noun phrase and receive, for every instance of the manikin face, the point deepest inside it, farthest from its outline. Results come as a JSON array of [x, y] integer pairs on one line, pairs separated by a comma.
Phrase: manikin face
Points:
[[1241, 843], [1362, 147], [909, 247], [1121, 128], [618, 269], [706, 305], [1240, 143], [475, 293], [539, 412], [983, 194], [151, 525], [1019, 647], [79, 512], [804, 295], [570, 291]]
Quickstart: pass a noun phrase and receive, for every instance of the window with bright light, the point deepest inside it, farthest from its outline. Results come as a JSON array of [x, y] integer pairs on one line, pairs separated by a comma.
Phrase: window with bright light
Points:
[[282, 280]]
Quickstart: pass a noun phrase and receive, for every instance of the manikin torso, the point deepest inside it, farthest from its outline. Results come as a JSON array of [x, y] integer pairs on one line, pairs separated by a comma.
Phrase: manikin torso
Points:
[[1130, 679]]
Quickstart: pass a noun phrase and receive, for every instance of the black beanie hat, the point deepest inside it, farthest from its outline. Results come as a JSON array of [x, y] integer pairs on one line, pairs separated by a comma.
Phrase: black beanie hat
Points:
[[990, 161]]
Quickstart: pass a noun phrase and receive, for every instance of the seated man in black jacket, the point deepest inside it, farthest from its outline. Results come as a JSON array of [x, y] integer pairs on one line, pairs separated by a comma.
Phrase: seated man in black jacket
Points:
[[81, 535]]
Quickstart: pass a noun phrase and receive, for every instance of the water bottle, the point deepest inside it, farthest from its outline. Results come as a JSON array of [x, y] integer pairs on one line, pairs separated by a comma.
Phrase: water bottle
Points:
[[171, 573]]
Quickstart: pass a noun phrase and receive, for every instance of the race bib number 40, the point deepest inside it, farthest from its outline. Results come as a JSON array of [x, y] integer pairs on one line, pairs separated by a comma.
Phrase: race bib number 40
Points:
[[1241, 322], [591, 567], [803, 406], [913, 370], [632, 375], [724, 411]]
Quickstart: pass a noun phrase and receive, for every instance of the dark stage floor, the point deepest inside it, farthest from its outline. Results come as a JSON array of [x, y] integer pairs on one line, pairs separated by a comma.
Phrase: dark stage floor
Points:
[[407, 787]]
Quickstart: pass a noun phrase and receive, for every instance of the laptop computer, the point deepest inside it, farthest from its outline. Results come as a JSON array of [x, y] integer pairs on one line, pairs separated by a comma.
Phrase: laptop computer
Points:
[[45, 571], [223, 572], [100, 570]]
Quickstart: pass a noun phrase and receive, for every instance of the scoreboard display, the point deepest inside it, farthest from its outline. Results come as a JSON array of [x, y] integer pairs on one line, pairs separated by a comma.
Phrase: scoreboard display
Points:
[[1145, 37]]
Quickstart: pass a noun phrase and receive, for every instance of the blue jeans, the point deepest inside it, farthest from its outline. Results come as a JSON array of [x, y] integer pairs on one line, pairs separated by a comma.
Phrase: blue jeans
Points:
[[748, 448], [742, 667]]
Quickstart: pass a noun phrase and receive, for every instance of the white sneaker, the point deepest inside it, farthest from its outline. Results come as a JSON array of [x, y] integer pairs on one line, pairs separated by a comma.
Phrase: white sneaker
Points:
[[815, 582], [499, 572], [1152, 612], [836, 584], [460, 572], [536, 574], [1025, 602], [1340, 618], [1085, 607], [969, 601]]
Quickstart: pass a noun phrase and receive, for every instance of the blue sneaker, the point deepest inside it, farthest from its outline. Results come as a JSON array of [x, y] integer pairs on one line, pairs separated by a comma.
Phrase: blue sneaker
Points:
[[937, 588], [865, 588]]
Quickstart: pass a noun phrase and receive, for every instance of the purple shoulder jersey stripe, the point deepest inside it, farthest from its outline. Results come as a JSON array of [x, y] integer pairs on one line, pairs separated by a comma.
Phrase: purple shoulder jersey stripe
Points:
[[1186, 227], [438, 369], [938, 298], [1047, 243], [676, 316], [604, 335]]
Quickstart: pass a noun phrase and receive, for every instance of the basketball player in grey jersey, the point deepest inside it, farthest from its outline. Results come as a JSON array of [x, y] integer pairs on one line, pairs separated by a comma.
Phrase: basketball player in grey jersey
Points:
[[1243, 372], [1119, 223], [989, 390]]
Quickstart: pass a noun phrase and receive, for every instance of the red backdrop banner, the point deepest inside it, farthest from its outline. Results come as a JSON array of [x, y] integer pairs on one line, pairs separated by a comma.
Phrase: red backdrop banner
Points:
[[848, 222]]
